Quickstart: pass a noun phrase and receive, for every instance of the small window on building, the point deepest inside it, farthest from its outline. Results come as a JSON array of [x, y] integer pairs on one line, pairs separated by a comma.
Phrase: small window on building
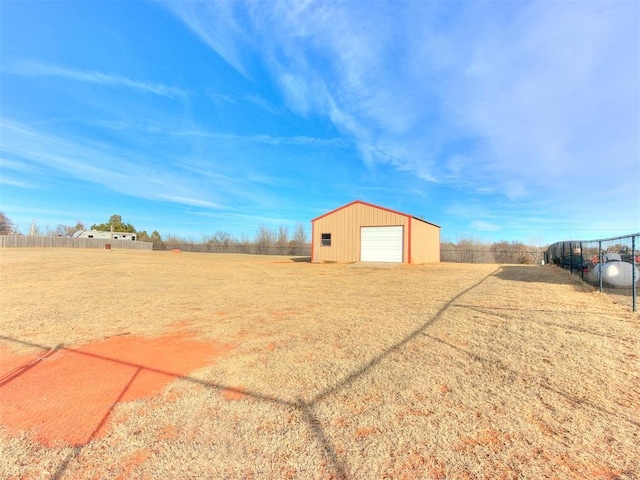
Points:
[[326, 239], [90, 236]]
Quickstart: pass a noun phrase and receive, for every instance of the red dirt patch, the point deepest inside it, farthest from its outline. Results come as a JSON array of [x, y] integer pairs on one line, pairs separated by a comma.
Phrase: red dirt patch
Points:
[[489, 438], [365, 432], [67, 394], [169, 432], [134, 461], [444, 389]]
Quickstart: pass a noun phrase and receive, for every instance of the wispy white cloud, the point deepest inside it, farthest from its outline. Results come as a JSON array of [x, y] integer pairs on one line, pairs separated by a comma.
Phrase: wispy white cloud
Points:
[[262, 103], [15, 183], [484, 226], [7, 164], [196, 202], [174, 175], [513, 98], [29, 68], [8, 169], [489, 114], [337, 142], [216, 25], [118, 170], [555, 94]]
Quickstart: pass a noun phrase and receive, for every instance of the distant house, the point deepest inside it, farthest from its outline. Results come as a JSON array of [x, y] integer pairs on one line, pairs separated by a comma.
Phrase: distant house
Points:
[[104, 235], [362, 232]]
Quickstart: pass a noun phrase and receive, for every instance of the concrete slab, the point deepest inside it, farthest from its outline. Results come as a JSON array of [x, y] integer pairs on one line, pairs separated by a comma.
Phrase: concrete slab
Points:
[[380, 265]]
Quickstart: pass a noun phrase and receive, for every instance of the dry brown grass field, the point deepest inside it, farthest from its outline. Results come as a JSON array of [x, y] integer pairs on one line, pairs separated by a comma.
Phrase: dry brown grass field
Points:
[[272, 368]]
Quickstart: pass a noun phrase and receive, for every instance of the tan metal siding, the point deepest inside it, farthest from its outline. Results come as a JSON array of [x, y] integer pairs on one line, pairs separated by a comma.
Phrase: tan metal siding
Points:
[[344, 227], [345, 224], [425, 242]]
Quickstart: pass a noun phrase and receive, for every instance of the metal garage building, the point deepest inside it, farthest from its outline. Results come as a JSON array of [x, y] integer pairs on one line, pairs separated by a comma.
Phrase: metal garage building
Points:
[[362, 232]]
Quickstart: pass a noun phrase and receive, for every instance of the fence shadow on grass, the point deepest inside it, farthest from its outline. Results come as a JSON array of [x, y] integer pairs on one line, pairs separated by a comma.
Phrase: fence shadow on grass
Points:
[[25, 367], [540, 274], [498, 364], [306, 408], [581, 281], [503, 313]]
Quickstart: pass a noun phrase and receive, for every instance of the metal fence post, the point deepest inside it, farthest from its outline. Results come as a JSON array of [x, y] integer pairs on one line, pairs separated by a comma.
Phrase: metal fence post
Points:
[[571, 257], [557, 253], [633, 271], [600, 264]]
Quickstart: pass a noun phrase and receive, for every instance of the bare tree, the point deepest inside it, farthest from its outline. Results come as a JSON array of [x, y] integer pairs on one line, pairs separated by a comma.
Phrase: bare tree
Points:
[[222, 239], [67, 230], [174, 241], [299, 240], [6, 225], [61, 230], [471, 250], [283, 239], [34, 229], [512, 252], [265, 239], [474, 251], [244, 244]]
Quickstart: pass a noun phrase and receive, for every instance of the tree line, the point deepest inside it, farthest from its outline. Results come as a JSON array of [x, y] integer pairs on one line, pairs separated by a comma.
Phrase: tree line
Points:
[[476, 251], [281, 241], [266, 240]]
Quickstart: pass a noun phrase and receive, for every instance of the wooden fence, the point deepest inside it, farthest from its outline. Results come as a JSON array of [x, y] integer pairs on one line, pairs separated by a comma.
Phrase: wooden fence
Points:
[[25, 241]]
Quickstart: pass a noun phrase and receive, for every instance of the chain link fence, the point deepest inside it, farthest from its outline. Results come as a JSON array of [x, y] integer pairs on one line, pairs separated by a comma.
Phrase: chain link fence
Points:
[[249, 248], [610, 264], [515, 256]]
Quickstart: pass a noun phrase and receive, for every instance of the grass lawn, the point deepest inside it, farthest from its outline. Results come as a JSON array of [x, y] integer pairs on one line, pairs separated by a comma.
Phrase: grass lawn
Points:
[[145, 365]]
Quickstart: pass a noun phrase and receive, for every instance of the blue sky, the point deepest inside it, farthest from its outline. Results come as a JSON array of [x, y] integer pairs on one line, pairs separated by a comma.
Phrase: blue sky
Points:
[[497, 120]]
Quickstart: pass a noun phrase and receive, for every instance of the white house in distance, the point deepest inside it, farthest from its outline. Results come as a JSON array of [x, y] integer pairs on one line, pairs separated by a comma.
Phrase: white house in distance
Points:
[[104, 235]]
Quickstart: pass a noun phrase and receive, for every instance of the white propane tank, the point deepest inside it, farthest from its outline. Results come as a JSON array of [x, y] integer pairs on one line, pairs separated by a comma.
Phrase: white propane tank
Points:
[[616, 274]]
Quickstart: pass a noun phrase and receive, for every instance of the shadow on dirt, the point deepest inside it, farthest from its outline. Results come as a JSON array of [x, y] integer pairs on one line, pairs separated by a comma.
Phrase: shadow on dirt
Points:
[[541, 274], [300, 259]]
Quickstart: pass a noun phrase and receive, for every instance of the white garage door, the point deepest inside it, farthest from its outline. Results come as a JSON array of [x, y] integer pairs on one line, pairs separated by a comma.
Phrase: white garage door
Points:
[[381, 244]]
